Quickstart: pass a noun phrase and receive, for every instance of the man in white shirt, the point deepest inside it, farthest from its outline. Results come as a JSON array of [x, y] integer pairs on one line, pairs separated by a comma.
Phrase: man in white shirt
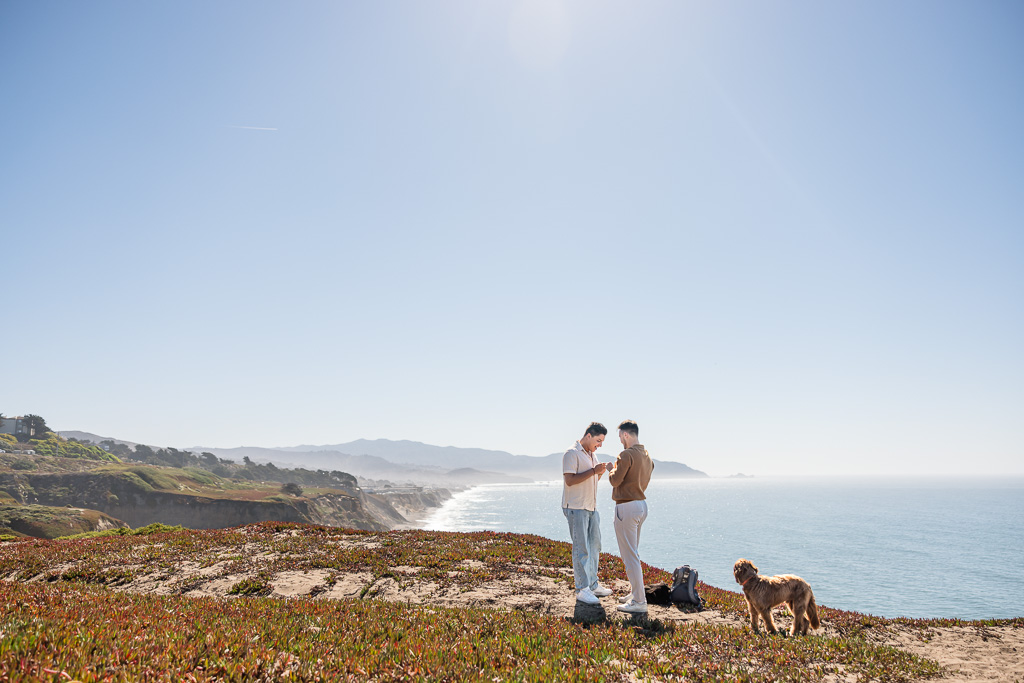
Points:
[[581, 472]]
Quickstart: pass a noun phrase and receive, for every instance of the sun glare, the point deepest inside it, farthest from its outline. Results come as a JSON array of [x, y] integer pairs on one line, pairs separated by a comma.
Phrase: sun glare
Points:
[[539, 32]]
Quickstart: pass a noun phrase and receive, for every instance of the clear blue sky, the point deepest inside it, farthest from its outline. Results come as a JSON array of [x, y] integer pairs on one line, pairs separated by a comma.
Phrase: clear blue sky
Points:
[[784, 237]]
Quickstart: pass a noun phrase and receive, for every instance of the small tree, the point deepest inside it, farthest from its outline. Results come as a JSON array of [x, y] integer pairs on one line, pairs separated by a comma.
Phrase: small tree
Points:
[[36, 426], [144, 453], [117, 448], [292, 489]]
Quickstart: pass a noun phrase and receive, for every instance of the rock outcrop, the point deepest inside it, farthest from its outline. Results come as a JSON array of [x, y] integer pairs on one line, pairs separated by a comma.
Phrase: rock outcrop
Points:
[[40, 521]]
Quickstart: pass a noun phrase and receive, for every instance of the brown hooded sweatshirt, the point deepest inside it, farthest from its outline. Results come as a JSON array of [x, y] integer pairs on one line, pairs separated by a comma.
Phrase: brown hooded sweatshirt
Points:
[[633, 470]]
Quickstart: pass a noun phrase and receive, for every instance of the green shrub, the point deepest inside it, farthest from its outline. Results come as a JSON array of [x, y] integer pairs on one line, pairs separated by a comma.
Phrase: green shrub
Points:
[[53, 446], [49, 447], [155, 528], [254, 586], [291, 488]]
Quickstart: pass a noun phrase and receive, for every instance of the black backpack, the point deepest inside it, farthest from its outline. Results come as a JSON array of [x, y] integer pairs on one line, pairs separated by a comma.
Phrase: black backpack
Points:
[[684, 586]]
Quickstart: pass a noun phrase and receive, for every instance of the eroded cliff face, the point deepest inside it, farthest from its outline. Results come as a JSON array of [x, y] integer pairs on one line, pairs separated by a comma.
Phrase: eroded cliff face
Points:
[[126, 500], [196, 512], [411, 503], [350, 510]]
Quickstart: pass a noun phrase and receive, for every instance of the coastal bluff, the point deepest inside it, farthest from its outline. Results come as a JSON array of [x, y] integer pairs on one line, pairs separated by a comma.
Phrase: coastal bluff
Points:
[[126, 498]]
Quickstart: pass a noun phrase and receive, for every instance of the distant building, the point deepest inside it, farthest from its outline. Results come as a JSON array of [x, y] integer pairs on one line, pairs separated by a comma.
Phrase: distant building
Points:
[[17, 426]]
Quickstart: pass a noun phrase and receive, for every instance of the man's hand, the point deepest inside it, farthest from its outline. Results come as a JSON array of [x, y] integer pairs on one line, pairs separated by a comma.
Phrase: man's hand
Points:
[[573, 479]]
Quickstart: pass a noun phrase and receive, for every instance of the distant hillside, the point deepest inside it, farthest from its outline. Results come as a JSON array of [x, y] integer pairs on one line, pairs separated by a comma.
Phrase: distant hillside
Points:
[[416, 462], [370, 466], [414, 453], [87, 436]]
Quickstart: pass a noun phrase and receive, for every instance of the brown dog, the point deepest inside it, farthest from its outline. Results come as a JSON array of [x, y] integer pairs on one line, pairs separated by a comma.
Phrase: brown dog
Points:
[[765, 592]]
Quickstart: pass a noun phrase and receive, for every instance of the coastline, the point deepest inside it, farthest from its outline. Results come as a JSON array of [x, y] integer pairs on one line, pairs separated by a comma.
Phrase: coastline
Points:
[[415, 519], [419, 516]]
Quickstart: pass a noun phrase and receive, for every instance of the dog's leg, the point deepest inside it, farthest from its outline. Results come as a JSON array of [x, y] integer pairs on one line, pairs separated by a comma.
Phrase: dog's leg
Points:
[[799, 622], [805, 607], [769, 624], [753, 616]]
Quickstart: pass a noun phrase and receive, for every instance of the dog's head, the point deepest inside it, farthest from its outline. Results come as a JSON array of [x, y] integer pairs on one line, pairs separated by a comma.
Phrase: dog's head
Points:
[[743, 570]]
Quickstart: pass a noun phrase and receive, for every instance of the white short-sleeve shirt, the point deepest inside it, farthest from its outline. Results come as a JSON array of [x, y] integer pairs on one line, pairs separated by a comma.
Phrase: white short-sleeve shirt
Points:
[[582, 496]]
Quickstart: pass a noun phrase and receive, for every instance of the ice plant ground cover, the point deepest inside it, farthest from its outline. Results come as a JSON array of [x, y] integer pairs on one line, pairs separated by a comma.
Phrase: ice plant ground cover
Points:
[[93, 634], [186, 605]]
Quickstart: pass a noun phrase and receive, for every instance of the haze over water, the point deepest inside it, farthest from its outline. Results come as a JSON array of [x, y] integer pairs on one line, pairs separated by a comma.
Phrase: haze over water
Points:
[[889, 547]]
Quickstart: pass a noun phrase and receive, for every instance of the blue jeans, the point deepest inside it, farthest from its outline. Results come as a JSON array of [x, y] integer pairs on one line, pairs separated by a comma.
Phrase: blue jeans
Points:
[[585, 532]]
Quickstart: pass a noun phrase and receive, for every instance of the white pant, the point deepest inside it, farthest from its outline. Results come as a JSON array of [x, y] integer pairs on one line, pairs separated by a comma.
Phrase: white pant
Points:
[[629, 517]]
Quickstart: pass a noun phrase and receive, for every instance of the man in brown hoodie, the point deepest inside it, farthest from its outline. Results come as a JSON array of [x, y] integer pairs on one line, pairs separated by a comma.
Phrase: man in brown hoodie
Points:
[[629, 479]]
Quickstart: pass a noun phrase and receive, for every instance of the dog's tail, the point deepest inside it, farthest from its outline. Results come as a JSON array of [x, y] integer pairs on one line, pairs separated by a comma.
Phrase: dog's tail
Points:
[[812, 612]]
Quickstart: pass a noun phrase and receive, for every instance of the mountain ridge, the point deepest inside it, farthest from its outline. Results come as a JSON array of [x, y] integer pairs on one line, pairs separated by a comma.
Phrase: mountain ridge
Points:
[[419, 455], [415, 461]]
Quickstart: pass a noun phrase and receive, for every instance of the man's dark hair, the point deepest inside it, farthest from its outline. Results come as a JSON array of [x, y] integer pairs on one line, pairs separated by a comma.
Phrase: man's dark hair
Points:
[[630, 427], [596, 429]]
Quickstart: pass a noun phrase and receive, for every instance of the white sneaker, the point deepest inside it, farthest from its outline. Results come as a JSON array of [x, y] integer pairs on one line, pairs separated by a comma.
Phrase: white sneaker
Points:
[[601, 591], [586, 595], [633, 607], [626, 598]]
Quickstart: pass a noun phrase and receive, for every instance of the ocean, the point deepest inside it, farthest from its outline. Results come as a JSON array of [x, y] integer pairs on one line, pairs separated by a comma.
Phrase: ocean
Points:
[[897, 547]]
